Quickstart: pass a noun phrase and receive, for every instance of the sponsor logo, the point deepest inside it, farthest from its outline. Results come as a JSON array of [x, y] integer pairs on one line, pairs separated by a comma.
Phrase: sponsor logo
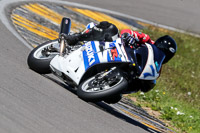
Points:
[[114, 53], [90, 53], [98, 29], [172, 50]]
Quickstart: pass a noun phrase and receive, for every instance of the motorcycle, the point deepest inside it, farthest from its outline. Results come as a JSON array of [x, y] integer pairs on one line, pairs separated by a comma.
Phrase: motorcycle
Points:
[[98, 71]]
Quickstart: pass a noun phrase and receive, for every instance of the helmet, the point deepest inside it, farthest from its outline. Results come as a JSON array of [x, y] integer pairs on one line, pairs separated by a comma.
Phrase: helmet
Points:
[[168, 45], [104, 31], [110, 31]]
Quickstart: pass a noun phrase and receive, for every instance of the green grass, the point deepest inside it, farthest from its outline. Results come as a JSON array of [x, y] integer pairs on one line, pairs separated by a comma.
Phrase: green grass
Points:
[[180, 83]]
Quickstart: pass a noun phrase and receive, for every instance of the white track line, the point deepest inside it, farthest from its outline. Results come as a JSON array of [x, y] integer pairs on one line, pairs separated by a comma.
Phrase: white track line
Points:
[[5, 19]]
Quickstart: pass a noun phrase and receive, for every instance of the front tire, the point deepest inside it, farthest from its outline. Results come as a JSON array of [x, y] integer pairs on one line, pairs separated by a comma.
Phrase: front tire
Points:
[[39, 62], [93, 90], [114, 99]]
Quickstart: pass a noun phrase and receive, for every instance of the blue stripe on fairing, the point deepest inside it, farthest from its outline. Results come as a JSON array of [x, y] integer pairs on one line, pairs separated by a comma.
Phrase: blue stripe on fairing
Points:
[[108, 56], [85, 58], [88, 27], [112, 44], [150, 74], [95, 53]]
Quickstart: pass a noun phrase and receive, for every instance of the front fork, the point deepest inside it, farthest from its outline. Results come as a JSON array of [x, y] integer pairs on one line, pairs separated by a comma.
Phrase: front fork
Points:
[[62, 46], [107, 72]]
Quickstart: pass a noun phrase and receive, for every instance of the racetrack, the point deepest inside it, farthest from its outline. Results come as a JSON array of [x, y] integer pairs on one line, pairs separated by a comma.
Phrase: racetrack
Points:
[[30, 102], [180, 14]]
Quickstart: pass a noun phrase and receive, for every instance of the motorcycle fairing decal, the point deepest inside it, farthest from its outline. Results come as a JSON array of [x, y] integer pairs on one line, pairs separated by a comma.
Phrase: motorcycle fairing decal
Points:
[[114, 53], [107, 54], [120, 52], [89, 56], [88, 27], [104, 56], [93, 55], [157, 66], [95, 52], [149, 72]]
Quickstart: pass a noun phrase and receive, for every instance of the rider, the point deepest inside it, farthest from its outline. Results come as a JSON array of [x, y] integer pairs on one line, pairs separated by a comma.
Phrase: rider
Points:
[[105, 31]]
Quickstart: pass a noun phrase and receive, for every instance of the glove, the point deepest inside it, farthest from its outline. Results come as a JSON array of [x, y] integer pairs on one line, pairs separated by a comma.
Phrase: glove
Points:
[[71, 39], [124, 36], [129, 40]]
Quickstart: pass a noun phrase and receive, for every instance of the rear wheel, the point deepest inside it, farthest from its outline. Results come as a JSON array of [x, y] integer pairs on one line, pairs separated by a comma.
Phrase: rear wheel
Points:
[[40, 57], [100, 87]]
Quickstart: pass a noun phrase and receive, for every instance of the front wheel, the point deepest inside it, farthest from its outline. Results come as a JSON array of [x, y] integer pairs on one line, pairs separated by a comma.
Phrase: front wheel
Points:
[[40, 57], [100, 87]]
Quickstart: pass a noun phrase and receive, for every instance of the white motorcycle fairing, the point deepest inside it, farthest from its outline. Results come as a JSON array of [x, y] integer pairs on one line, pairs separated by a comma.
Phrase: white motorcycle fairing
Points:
[[150, 71], [79, 61]]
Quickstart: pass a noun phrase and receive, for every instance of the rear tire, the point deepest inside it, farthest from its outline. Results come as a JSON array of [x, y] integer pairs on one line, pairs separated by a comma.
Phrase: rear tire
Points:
[[39, 63], [108, 87]]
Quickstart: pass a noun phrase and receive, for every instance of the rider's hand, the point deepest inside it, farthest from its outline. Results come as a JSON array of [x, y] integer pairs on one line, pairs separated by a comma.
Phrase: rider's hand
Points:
[[124, 36], [71, 39], [129, 40]]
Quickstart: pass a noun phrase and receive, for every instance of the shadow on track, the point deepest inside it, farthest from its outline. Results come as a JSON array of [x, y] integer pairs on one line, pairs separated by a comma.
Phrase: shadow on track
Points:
[[103, 106]]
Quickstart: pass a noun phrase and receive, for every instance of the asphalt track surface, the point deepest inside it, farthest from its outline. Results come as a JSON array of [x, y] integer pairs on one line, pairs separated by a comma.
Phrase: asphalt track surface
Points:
[[180, 14], [30, 102]]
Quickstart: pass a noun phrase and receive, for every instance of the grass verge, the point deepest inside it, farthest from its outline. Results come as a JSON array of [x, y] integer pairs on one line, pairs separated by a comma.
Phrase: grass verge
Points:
[[176, 95]]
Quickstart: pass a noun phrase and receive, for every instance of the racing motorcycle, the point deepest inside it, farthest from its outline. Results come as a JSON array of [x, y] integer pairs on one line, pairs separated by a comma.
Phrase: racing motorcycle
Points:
[[98, 71]]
